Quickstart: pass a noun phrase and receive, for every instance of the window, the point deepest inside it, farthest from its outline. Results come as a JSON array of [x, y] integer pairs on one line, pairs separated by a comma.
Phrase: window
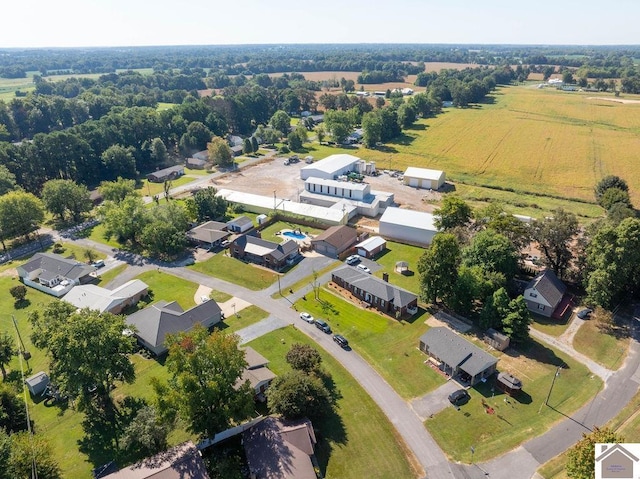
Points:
[[533, 295], [541, 306]]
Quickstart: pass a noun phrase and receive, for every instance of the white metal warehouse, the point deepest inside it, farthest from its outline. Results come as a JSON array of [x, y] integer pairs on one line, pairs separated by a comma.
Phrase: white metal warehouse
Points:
[[407, 226], [424, 178], [331, 167]]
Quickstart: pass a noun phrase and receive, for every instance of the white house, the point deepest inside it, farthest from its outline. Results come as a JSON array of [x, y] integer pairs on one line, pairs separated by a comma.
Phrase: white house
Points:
[[330, 167], [105, 300], [544, 293], [424, 178], [407, 226]]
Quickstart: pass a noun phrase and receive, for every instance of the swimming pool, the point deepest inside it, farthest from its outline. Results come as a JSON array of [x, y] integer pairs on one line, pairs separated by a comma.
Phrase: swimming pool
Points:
[[294, 235]]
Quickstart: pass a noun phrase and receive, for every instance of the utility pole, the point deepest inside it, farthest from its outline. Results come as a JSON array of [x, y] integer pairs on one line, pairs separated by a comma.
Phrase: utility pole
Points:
[[546, 402]]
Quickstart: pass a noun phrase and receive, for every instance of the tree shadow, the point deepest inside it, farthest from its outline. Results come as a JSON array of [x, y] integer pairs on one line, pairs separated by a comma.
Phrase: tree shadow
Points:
[[386, 149], [537, 352], [403, 140], [330, 429], [22, 304], [447, 188], [417, 127]]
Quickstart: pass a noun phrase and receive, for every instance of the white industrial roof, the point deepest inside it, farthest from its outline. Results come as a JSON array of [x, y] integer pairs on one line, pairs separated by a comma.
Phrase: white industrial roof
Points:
[[332, 163], [371, 243], [327, 215], [347, 185], [423, 173], [414, 219]]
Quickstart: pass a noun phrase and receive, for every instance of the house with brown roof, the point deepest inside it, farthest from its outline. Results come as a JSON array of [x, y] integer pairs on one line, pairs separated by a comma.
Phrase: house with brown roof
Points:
[[166, 174], [544, 293], [335, 240], [257, 373], [279, 449], [263, 252], [153, 324], [54, 274], [180, 462], [378, 293]]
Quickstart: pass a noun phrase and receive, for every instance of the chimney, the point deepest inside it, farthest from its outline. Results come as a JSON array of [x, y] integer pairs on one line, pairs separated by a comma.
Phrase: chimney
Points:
[[385, 277]]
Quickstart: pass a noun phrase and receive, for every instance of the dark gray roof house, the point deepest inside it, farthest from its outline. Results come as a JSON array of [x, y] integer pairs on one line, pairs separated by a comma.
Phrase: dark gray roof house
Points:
[[544, 293], [278, 449], [456, 356], [166, 174], [208, 234], [379, 293], [54, 274], [152, 324], [263, 252], [195, 163]]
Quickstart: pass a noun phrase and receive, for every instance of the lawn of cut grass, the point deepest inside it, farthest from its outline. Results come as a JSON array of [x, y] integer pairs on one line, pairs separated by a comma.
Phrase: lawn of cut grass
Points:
[[151, 189], [605, 349], [78, 252], [309, 279], [96, 233], [518, 419], [269, 233], [170, 288], [219, 296], [245, 317], [550, 326], [165, 106], [358, 441], [400, 252], [390, 346], [106, 278], [236, 271], [196, 172]]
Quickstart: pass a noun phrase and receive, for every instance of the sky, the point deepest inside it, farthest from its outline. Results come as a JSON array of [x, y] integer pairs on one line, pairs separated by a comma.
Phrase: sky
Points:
[[77, 23]]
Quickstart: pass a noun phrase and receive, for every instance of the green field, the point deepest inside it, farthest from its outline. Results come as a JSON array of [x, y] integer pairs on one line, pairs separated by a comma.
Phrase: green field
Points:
[[514, 420], [151, 189], [542, 141], [236, 271], [605, 349], [170, 288], [358, 441], [390, 346]]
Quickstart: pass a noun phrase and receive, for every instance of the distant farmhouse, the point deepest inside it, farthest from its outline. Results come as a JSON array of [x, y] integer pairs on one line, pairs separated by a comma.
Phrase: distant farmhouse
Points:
[[53, 274], [166, 174]]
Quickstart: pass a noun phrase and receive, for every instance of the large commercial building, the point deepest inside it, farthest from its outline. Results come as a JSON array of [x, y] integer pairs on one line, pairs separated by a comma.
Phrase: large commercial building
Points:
[[407, 226], [331, 167]]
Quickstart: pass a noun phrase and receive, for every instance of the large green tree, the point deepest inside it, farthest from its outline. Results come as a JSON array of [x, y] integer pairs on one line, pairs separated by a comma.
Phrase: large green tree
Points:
[[453, 212], [438, 268], [13, 415], [581, 457], [88, 351], [27, 454], [555, 236], [493, 252], [220, 152], [304, 357], [610, 181], [124, 221], [280, 121], [118, 190], [516, 321], [146, 433], [21, 213], [495, 217], [7, 352], [209, 206], [204, 386], [371, 129], [66, 198], [296, 395], [119, 161], [158, 151], [7, 180]]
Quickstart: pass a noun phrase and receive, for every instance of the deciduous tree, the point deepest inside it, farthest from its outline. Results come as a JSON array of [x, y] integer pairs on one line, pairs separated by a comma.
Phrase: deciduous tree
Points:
[[304, 357], [296, 395], [13, 415], [125, 220], [66, 198], [555, 236], [280, 121], [118, 190], [493, 252], [220, 152], [438, 267], [29, 449], [209, 206], [146, 433], [453, 212], [21, 213], [119, 161], [581, 457]]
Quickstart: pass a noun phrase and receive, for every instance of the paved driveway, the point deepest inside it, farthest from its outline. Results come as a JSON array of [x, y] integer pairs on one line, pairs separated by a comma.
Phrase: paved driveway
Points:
[[435, 401]]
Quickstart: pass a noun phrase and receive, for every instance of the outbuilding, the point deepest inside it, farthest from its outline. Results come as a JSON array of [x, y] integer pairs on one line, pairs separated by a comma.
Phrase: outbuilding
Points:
[[371, 246], [424, 178], [37, 383], [330, 167], [240, 224], [407, 226]]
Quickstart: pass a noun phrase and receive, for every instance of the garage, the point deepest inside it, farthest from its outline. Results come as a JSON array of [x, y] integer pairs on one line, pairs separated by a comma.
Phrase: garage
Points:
[[424, 178]]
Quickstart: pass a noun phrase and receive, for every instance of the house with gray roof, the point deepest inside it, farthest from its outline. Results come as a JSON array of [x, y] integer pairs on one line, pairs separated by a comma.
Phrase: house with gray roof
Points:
[[263, 252], [279, 449], [209, 234], [240, 224], [54, 274], [153, 324], [457, 357], [166, 174], [544, 293], [257, 373], [378, 293]]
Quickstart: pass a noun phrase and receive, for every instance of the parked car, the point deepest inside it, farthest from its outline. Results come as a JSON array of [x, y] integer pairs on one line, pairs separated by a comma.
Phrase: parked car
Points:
[[306, 317], [98, 264], [364, 268], [204, 298], [294, 159], [459, 397], [341, 340], [353, 259], [225, 243], [322, 326], [584, 313]]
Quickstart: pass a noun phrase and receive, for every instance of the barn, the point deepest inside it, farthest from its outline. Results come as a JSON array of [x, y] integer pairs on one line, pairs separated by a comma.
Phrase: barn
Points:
[[407, 226], [424, 178], [330, 167]]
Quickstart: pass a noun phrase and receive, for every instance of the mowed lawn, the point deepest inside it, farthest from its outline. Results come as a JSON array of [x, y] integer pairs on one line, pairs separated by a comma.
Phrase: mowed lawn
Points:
[[390, 346], [358, 441], [170, 288], [605, 349], [514, 420], [243, 318], [543, 141], [236, 271], [401, 252], [151, 189]]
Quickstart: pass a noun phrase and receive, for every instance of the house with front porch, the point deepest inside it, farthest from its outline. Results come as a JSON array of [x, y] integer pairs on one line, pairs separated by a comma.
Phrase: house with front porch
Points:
[[376, 292], [257, 373]]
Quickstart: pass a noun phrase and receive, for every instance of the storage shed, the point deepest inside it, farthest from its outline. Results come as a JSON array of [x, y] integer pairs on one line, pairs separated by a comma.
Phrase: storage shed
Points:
[[37, 383], [424, 178], [508, 383], [371, 246], [413, 227], [495, 339]]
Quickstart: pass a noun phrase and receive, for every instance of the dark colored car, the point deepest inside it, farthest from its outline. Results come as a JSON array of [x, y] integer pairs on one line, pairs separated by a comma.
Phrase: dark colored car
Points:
[[584, 313], [459, 397], [341, 340], [322, 326]]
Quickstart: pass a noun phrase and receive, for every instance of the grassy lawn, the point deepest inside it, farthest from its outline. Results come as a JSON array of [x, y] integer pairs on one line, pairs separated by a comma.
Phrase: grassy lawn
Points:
[[605, 349], [518, 419], [235, 271], [78, 252], [219, 296], [96, 234], [359, 441], [390, 346], [112, 274], [195, 172], [309, 279], [151, 189], [400, 252], [269, 233], [170, 288], [550, 326], [245, 317]]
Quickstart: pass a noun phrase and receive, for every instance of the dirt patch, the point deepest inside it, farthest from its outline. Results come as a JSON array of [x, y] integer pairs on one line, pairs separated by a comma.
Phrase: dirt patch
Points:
[[9, 272], [613, 99]]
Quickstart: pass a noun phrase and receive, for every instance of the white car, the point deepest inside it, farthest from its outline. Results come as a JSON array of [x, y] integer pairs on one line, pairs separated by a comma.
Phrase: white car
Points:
[[306, 317], [204, 299], [353, 259], [362, 267]]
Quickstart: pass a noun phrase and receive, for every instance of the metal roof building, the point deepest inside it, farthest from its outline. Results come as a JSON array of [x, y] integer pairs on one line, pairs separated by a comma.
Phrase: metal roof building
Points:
[[408, 226], [330, 167]]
